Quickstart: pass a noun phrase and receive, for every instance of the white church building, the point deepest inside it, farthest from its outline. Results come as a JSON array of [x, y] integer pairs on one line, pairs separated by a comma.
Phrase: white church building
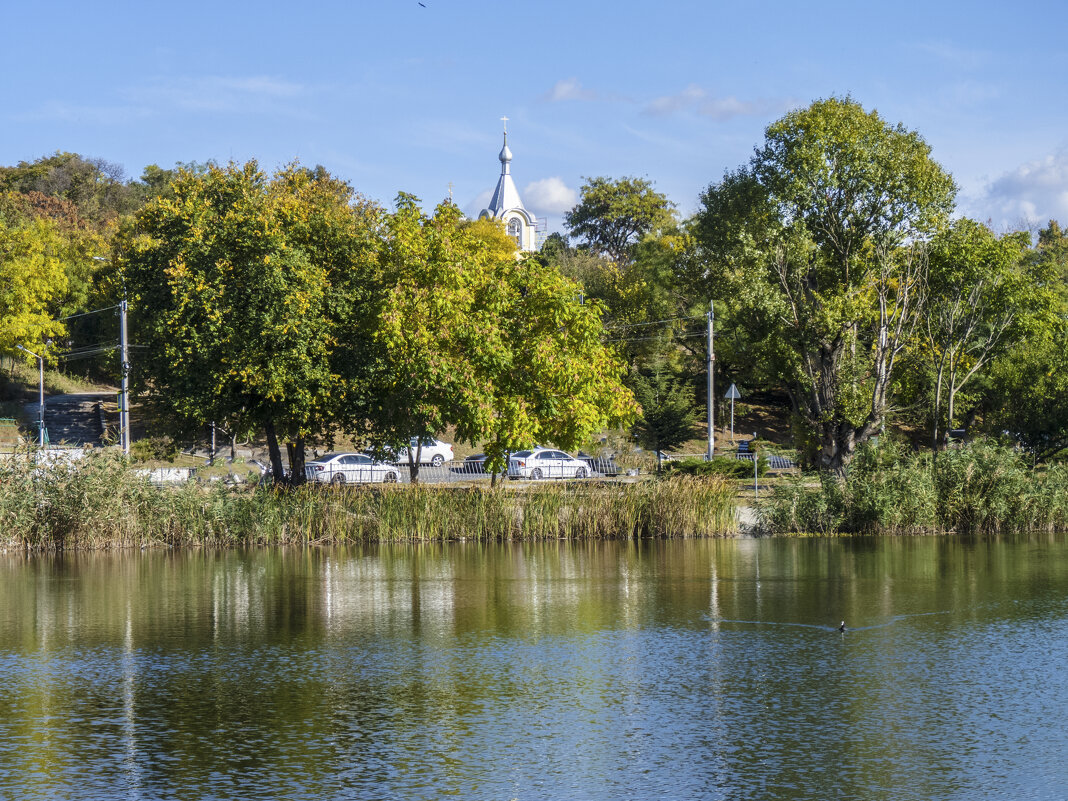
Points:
[[505, 205]]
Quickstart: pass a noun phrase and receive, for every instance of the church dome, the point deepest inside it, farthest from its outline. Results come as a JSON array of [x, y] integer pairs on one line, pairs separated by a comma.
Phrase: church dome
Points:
[[506, 154]]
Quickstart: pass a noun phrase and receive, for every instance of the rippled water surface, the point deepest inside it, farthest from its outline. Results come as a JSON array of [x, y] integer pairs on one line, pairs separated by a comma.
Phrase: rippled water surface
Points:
[[679, 669]]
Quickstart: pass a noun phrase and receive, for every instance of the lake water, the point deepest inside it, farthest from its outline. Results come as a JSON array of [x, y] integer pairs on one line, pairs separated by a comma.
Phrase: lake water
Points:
[[660, 669]]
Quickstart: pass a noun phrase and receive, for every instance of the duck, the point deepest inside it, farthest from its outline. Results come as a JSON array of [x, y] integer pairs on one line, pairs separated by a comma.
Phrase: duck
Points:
[[841, 626]]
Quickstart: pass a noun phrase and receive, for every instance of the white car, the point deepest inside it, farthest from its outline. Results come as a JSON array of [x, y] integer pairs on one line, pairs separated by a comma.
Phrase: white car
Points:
[[349, 468], [433, 452], [545, 463]]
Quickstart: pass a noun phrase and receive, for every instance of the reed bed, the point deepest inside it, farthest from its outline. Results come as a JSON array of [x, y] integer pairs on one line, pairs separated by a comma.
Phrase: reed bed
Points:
[[984, 488], [100, 503]]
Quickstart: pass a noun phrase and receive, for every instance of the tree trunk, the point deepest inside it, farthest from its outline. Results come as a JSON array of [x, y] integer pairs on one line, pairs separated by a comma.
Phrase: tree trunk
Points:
[[937, 408], [950, 400], [413, 460], [296, 461], [838, 443], [275, 453]]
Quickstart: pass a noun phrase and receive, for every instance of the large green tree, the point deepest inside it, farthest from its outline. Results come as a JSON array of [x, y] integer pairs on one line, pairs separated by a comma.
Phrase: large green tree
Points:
[[819, 237], [613, 216], [470, 335], [238, 290]]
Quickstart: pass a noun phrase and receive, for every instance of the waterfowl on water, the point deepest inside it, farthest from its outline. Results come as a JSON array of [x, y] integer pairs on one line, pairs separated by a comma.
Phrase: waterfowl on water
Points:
[[841, 626]]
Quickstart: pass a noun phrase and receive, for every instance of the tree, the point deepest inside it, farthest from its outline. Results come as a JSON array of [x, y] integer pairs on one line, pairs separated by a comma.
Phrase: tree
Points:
[[556, 381], [32, 279], [612, 216], [822, 236], [1030, 382], [96, 187], [982, 295], [430, 327], [234, 283], [471, 336], [668, 413]]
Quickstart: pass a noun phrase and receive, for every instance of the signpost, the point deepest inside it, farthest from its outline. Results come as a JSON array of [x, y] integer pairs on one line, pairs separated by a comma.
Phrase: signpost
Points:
[[734, 395]]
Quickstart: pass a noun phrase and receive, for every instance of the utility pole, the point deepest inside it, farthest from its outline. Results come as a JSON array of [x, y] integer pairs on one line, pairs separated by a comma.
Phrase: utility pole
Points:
[[124, 407], [711, 363]]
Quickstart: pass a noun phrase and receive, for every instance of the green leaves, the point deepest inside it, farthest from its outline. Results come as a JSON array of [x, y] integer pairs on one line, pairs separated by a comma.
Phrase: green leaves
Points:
[[32, 278], [813, 247], [230, 277], [612, 216], [473, 337], [668, 413]]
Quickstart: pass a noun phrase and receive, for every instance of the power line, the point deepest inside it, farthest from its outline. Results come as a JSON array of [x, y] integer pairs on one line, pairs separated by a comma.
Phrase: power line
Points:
[[649, 339], [94, 311], [93, 346], [84, 355], [653, 322]]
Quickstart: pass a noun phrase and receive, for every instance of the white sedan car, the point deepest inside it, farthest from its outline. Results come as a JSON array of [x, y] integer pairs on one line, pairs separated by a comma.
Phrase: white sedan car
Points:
[[349, 468], [545, 463], [433, 451]]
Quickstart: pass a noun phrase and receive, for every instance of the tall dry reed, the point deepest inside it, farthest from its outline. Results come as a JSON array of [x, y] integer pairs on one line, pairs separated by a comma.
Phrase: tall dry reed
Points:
[[100, 502]]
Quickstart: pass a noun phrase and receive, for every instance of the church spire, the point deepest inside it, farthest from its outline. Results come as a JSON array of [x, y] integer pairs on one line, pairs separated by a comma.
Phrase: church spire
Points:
[[506, 154], [505, 204]]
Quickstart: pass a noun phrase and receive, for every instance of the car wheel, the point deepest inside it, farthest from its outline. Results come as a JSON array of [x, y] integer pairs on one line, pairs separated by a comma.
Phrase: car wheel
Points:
[[339, 479], [536, 473], [580, 473], [437, 461], [390, 478]]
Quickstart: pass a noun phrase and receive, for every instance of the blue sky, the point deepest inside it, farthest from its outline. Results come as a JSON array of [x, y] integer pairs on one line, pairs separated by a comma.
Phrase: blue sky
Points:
[[393, 96]]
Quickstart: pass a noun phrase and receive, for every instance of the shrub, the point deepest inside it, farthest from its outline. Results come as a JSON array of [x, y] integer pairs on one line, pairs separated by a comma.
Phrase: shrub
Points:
[[154, 449], [796, 506], [983, 488], [723, 466]]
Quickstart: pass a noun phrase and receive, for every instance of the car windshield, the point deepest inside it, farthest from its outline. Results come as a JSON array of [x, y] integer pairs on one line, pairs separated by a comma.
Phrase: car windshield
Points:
[[326, 457], [522, 454]]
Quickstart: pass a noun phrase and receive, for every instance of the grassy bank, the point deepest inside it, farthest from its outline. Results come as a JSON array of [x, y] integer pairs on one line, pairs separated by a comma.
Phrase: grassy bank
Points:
[[983, 488], [103, 504]]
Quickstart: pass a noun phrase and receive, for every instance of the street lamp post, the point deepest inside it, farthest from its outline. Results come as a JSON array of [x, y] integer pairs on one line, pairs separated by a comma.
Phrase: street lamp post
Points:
[[40, 368], [124, 412], [710, 318]]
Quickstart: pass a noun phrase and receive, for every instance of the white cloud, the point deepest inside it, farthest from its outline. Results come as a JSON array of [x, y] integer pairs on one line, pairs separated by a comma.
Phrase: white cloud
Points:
[[728, 107], [1034, 192], [569, 89], [480, 202], [549, 196], [952, 54], [57, 111], [668, 104], [699, 100], [218, 93], [212, 93]]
